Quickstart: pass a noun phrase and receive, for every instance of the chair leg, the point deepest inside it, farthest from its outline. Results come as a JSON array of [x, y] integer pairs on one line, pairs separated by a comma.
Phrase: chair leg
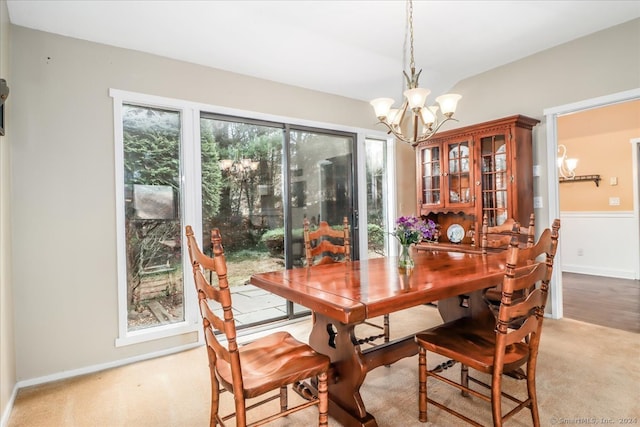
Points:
[[241, 410], [496, 399], [386, 328], [422, 385], [283, 398], [464, 379], [215, 401], [531, 389], [323, 398]]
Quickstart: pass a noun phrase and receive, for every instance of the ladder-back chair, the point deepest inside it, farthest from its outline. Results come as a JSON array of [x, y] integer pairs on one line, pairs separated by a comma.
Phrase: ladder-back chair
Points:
[[498, 238], [326, 245], [249, 371], [492, 347]]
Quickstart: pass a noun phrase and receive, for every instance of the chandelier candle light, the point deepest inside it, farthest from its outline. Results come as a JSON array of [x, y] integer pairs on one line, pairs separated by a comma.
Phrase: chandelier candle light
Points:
[[424, 121]]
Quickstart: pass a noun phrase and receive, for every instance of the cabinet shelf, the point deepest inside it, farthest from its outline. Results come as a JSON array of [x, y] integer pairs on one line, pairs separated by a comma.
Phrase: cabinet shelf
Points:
[[579, 178]]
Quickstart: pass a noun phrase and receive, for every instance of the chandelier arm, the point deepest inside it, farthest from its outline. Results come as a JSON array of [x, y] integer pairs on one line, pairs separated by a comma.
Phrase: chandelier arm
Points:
[[393, 131], [403, 111], [416, 118], [429, 134]]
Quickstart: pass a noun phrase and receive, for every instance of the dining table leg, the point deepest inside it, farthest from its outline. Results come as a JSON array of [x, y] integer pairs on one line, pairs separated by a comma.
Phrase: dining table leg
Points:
[[338, 341]]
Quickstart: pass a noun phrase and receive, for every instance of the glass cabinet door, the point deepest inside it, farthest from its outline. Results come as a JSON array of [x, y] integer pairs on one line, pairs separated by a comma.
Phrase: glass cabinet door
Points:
[[430, 158], [459, 179], [494, 178]]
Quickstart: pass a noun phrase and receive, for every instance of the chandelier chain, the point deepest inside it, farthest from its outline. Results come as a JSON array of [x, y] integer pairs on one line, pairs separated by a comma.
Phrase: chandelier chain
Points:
[[413, 116], [412, 64]]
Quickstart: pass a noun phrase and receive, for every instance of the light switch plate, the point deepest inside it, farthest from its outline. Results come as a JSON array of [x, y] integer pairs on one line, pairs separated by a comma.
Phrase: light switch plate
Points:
[[537, 202]]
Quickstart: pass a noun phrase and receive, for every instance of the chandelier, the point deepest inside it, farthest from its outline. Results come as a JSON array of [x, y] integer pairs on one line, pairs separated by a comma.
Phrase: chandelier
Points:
[[423, 122]]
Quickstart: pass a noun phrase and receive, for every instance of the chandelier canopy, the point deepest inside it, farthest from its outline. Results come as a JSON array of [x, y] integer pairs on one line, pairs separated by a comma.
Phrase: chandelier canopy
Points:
[[423, 122]]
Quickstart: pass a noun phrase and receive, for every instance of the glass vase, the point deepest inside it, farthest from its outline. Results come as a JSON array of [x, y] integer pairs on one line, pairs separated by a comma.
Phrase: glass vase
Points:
[[405, 261]]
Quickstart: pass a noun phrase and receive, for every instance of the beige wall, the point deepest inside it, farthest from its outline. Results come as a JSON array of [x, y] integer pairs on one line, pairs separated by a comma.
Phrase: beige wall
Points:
[[600, 64], [63, 163], [7, 346], [599, 139]]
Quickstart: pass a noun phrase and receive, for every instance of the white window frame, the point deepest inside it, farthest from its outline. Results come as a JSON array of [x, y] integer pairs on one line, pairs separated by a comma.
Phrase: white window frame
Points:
[[390, 188], [191, 203], [190, 206]]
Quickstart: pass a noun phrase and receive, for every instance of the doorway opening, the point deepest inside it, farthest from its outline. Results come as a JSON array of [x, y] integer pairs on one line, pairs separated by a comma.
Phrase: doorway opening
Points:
[[552, 115]]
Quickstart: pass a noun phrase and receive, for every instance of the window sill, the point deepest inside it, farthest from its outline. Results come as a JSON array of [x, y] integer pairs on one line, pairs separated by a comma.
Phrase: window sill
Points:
[[159, 332]]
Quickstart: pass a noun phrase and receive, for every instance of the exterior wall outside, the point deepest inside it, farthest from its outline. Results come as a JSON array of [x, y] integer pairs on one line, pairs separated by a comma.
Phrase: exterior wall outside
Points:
[[7, 345], [63, 162]]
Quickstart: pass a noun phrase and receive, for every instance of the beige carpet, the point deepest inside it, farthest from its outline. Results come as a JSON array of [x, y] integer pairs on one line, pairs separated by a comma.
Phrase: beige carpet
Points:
[[586, 374]]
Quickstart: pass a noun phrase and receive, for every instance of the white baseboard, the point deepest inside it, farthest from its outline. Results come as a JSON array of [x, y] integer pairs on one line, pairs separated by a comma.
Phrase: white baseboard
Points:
[[597, 271], [102, 366], [7, 411]]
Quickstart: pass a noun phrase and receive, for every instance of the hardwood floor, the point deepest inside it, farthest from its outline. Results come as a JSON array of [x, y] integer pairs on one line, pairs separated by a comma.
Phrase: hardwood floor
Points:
[[604, 301]]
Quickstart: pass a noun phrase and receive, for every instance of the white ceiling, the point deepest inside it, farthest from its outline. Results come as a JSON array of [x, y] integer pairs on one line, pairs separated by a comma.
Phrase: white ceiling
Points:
[[350, 48]]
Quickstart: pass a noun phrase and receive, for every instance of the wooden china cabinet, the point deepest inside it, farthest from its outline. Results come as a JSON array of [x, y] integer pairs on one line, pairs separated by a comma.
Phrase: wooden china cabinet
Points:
[[466, 173]]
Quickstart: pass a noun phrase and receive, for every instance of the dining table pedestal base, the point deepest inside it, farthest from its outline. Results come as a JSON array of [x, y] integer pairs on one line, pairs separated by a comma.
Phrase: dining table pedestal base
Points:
[[350, 364]]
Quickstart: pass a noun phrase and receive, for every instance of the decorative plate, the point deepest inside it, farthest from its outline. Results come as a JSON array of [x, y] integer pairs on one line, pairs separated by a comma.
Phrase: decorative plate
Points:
[[455, 233]]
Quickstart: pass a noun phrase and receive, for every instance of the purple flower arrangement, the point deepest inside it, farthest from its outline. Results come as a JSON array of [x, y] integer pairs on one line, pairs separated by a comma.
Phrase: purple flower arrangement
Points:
[[410, 230]]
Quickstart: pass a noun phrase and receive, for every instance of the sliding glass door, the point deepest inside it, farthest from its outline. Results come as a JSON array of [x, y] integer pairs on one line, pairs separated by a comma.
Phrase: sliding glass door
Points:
[[321, 186], [242, 196], [259, 204]]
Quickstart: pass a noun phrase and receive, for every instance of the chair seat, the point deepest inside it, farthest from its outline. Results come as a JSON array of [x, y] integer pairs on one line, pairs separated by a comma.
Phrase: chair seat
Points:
[[272, 361], [472, 342]]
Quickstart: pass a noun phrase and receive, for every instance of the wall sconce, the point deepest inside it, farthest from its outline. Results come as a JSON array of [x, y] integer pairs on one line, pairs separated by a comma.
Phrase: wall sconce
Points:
[[567, 168]]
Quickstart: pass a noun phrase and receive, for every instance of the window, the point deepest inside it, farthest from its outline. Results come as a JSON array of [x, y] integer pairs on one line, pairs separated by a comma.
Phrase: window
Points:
[[377, 185], [151, 141], [181, 163]]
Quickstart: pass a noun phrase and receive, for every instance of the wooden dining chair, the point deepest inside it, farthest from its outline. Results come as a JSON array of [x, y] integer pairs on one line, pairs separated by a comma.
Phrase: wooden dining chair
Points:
[[498, 238], [326, 245], [249, 371], [492, 347]]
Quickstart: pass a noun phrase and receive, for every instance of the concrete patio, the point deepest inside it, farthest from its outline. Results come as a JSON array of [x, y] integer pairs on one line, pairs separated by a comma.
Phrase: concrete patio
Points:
[[252, 305]]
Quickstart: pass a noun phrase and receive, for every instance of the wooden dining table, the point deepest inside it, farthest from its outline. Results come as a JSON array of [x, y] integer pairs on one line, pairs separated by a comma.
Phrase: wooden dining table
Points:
[[343, 295]]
